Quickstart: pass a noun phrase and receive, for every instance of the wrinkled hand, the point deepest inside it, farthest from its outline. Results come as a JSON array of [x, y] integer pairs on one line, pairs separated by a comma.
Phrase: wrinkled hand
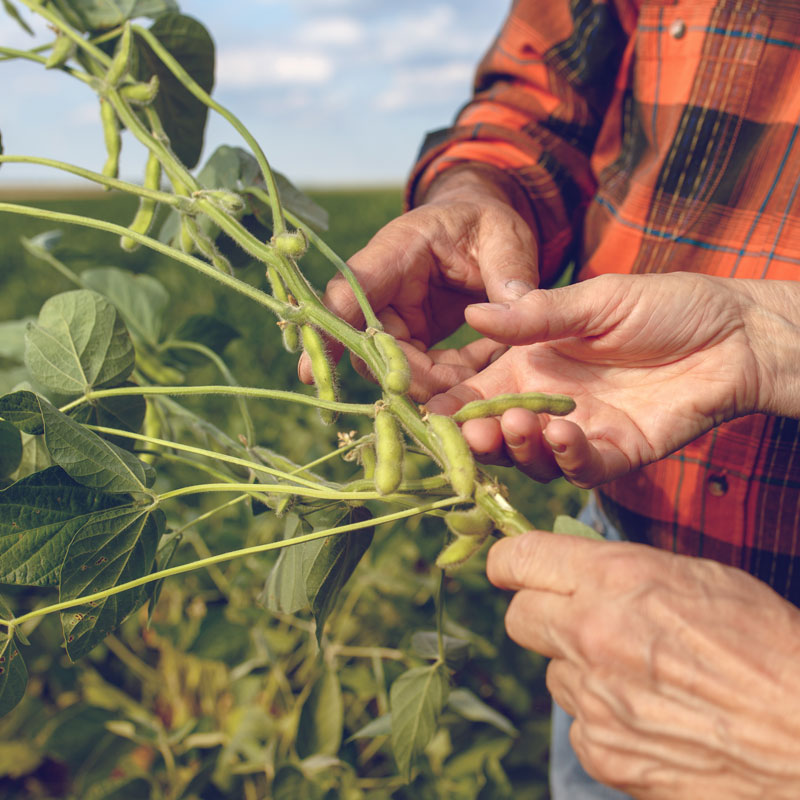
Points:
[[652, 362], [681, 673], [420, 271]]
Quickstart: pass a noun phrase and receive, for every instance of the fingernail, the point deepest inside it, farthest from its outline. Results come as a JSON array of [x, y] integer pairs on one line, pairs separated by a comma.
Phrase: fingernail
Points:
[[513, 439], [517, 288], [556, 448], [493, 308]]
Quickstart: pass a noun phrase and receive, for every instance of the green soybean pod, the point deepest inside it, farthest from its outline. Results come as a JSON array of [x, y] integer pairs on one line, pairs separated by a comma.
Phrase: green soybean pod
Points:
[[321, 368], [397, 378], [289, 331], [458, 551], [389, 452], [63, 48], [140, 94], [146, 212], [555, 404], [112, 137], [121, 62], [460, 463], [469, 522], [291, 243], [366, 457]]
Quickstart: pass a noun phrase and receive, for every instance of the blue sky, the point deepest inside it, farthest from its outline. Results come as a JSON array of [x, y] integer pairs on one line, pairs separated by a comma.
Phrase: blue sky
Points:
[[336, 91]]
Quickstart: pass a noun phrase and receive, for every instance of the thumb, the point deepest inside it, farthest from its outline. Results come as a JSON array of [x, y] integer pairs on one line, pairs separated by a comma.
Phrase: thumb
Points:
[[541, 315], [509, 263]]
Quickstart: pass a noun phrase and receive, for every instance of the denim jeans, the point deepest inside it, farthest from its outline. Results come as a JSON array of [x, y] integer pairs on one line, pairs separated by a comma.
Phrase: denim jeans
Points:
[[568, 779]]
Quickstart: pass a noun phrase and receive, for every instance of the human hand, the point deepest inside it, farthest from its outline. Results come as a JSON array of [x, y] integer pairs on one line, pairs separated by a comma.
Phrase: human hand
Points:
[[681, 673], [652, 361], [420, 271]]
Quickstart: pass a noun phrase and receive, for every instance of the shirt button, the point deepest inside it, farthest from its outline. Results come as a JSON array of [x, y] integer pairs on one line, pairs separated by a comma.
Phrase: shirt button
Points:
[[677, 29], [717, 485]]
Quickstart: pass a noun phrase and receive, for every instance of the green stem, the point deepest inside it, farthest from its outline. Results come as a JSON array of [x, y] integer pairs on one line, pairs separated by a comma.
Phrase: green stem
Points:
[[367, 409], [328, 456], [192, 86], [268, 488], [30, 55], [262, 298], [59, 266], [223, 557]]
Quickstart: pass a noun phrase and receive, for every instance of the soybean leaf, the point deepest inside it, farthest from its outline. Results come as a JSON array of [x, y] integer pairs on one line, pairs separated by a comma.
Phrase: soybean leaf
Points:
[[96, 15], [35, 457], [205, 329], [182, 114], [39, 516], [425, 644], [416, 699], [333, 565], [380, 726], [89, 459], [12, 12], [125, 412], [23, 411], [113, 547], [140, 299], [13, 674], [10, 448], [290, 783], [322, 718], [166, 551], [79, 342], [574, 527], [468, 705]]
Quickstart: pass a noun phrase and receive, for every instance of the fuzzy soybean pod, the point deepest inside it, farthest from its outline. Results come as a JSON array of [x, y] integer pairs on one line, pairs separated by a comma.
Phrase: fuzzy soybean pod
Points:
[[289, 331], [469, 522], [140, 94], [121, 62], [397, 377], [324, 376], [556, 404], [112, 137], [63, 48], [389, 452], [459, 463], [458, 551], [147, 206]]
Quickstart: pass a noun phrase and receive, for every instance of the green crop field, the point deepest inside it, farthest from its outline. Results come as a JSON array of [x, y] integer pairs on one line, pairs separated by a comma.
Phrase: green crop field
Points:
[[214, 693]]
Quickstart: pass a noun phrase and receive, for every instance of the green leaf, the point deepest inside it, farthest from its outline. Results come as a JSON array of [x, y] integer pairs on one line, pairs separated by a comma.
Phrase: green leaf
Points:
[[285, 589], [290, 783], [416, 699], [88, 458], [573, 527], [113, 547], [468, 705], [12, 12], [333, 565], [182, 114], [166, 552], [39, 516], [205, 329], [380, 726], [13, 674], [98, 15], [425, 644], [35, 457], [125, 412], [300, 204], [322, 718], [140, 299], [79, 342], [10, 448], [23, 411]]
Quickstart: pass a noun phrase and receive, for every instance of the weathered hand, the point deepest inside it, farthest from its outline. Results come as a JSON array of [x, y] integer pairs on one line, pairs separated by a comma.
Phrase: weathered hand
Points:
[[464, 244], [652, 361], [681, 673]]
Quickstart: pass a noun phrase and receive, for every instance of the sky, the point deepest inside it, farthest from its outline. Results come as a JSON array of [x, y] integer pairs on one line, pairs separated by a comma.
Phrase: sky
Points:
[[337, 92]]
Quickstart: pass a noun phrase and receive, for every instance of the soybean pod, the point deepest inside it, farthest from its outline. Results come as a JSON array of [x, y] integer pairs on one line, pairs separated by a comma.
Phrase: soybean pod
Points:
[[289, 331], [147, 206], [324, 376], [459, 462], [469, 522], [62, 51], [555, 404], [121, 62], [458, 551], [397, 377], [112, 137], [389, 452]]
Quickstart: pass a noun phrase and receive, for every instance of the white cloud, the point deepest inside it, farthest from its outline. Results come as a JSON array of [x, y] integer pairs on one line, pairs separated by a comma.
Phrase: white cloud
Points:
[[251, 67], [336, 31], [419, 86]]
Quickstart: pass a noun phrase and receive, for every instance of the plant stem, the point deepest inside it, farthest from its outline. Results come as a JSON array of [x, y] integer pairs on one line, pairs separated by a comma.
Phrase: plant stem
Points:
[[223, 557], [268, 488]]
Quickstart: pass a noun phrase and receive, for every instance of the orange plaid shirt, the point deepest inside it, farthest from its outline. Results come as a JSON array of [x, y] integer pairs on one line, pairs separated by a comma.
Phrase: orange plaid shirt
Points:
[[656, 136]]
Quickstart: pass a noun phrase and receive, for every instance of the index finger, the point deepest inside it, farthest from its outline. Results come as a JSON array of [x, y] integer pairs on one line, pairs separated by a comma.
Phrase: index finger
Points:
[[542, 561]]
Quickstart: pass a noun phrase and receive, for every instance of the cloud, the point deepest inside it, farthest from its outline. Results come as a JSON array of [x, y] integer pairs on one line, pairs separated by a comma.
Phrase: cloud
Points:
[[254, 66], [421, 86], [334, 31]]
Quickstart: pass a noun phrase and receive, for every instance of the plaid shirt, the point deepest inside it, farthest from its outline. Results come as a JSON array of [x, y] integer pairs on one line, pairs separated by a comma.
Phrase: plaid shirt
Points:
[[653, 136]]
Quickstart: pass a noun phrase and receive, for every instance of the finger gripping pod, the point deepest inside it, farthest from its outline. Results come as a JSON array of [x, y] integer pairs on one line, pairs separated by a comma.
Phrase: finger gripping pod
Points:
[[397, 377], [324, 377], [459, 463], [389, 452]]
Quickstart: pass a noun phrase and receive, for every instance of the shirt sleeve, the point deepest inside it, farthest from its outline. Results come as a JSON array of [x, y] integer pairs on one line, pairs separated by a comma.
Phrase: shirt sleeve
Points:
[[540, 96]]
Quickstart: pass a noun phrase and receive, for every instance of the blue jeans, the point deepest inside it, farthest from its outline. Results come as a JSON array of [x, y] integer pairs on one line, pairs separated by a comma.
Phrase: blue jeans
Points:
[[568, 779]]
